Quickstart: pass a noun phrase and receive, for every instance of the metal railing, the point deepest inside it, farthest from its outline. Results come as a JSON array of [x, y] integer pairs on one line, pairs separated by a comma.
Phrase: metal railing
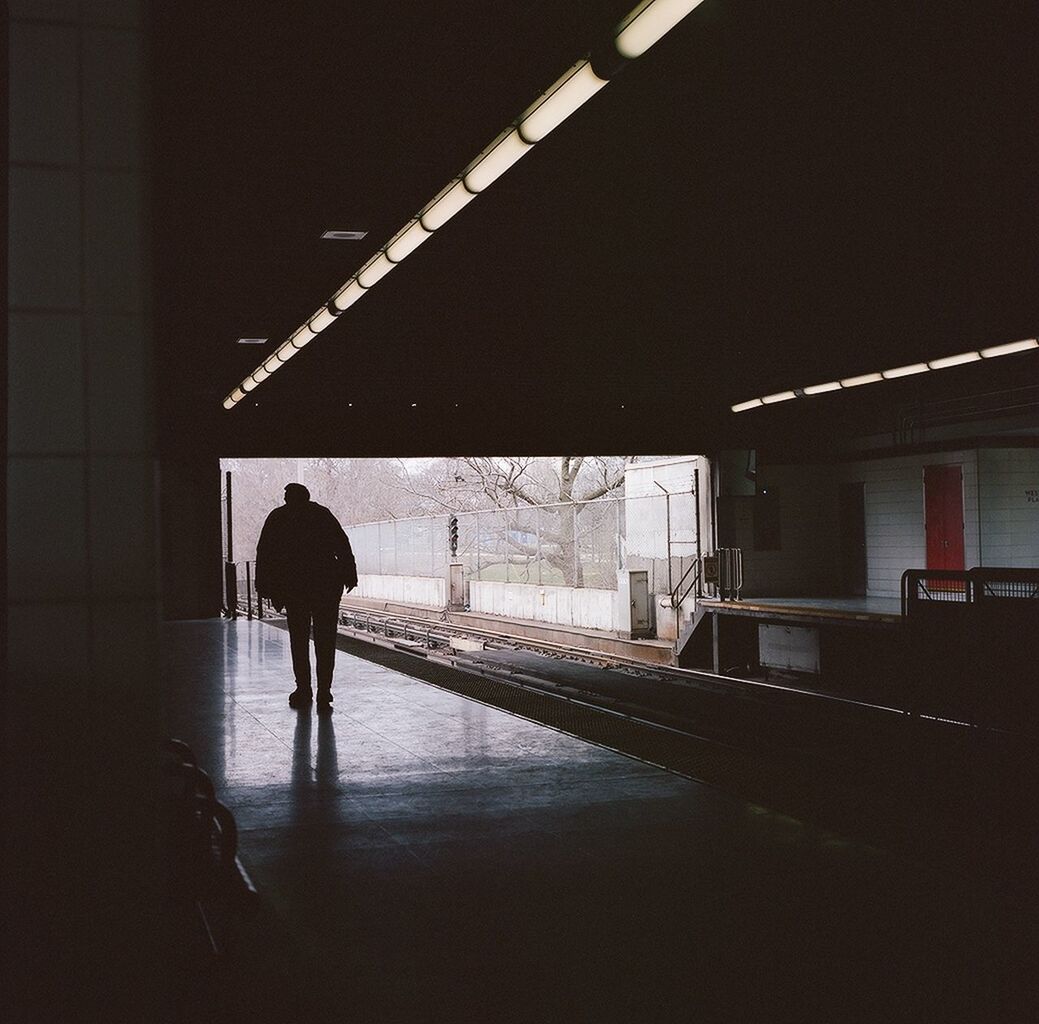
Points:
[[240, 592], [966, 587], [678, 595]]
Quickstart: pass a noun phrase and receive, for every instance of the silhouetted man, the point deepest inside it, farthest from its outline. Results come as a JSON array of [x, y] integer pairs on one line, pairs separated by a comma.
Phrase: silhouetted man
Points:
[[303, 561]]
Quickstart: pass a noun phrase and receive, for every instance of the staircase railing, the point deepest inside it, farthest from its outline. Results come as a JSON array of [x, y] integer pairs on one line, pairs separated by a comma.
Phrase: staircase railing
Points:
[[678, 595]]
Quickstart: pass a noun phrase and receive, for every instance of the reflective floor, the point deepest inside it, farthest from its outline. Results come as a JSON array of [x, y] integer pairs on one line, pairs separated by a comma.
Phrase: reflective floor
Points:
[[426, 858]]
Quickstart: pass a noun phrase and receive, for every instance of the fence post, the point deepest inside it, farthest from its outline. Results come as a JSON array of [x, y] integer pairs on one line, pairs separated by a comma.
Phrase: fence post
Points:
[[537, 533], [577, 556], [248, 592]]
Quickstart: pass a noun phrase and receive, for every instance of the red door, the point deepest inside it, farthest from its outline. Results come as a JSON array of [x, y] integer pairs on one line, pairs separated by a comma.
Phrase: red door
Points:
[[943, 516]]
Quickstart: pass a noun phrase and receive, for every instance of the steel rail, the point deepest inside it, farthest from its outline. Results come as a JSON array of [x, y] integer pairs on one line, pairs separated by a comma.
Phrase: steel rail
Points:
[[665, 673]]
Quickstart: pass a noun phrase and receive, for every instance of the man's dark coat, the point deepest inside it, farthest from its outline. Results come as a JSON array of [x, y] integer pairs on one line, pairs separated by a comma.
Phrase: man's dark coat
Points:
[[303, 555]]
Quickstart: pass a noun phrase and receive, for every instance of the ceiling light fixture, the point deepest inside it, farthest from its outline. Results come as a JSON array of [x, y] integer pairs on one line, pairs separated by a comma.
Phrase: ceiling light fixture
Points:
[[1027, 345], [648, 22], [947, 361], [1011, 347], [344, 236], [820, 389], [253, 341], [905, 371], [635, 34], [862, 378]]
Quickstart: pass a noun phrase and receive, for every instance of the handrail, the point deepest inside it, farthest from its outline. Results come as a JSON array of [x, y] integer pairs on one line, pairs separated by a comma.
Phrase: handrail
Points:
[[695, 568], [970, 586]]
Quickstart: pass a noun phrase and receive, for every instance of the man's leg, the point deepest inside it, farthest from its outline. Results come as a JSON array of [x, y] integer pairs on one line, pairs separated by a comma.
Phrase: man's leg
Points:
[[298, 614], [326, 617]]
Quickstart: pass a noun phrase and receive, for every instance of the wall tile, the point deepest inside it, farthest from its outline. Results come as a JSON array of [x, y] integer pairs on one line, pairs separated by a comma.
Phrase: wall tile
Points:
[[45, 384], [60, 10], [111, 97], [32, 659], [124, 647], [47, 698], [123, 511], [44, 242], [112, 12], [46, 528], [44, 93], [120, 384], [112, 252]]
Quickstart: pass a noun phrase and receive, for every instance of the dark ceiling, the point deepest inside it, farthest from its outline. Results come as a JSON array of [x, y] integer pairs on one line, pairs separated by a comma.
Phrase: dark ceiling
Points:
[[774, 195]]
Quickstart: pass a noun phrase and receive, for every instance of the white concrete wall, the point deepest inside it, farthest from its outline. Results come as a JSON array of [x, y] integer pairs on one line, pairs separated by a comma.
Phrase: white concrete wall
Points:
[[646, 507], [567, 606], [894, 495], [1000, 519], [422, 590], [1009, 502]]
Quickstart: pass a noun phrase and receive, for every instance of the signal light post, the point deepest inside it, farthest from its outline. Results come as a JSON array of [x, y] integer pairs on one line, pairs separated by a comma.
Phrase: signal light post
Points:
[[455, 575]]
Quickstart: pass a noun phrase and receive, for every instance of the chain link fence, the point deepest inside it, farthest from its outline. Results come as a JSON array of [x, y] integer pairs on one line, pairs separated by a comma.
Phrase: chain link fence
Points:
[[570, 544]]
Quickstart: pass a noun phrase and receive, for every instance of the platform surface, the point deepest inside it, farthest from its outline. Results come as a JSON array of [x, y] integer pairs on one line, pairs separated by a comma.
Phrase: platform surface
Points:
[[880, 609], [428, 858]]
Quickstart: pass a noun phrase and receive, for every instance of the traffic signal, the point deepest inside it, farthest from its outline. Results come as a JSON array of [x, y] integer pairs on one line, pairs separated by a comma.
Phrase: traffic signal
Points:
[[452, 534]]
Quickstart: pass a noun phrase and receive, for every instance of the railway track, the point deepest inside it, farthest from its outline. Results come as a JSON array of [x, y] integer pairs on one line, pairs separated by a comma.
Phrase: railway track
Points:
[[436, 634]]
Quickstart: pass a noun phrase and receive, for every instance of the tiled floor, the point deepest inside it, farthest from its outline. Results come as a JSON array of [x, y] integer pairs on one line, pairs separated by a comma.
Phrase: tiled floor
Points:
[[432, 859]]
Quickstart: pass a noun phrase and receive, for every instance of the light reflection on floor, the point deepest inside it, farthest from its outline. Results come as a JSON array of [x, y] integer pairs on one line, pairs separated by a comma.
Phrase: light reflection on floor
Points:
[[436, 859]]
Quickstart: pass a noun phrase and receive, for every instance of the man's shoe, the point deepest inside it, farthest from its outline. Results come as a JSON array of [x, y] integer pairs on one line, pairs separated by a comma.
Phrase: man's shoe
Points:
[[300, 698], [324, 703]]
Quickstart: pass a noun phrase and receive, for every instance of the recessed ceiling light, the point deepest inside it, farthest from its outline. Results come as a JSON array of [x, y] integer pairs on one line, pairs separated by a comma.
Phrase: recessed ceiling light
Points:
[[253, 341], [344, 236]]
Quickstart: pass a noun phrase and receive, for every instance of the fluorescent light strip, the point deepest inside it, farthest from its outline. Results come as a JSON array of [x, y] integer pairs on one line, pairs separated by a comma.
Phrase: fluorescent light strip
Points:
[[647, 23], [495, 160], [636, 33], [947, 361], [555, 105], [348, 295], [1027, 345], [1009, 349], [905, 371], [752, 404], [820, 389], [862, 378], [407, 240]]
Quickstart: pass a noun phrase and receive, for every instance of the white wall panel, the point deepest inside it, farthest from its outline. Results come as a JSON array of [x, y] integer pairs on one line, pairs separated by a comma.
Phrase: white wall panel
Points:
[[583, 607], [420, 590]]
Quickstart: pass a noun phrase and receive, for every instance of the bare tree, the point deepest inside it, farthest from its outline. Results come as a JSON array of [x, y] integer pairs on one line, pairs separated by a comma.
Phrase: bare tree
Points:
[[558, 486], [365, 490]]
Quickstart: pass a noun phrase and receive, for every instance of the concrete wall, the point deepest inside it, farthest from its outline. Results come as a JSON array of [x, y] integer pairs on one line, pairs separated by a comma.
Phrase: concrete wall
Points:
[[1009, 505], [895, 535], [1000, 518], [82, 695], [646, 516], [567, 606], [422, 590]]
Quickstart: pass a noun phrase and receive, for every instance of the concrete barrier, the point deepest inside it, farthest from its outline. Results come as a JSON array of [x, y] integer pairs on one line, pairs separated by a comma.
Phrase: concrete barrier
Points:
[[421, 590], [568, 606]]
